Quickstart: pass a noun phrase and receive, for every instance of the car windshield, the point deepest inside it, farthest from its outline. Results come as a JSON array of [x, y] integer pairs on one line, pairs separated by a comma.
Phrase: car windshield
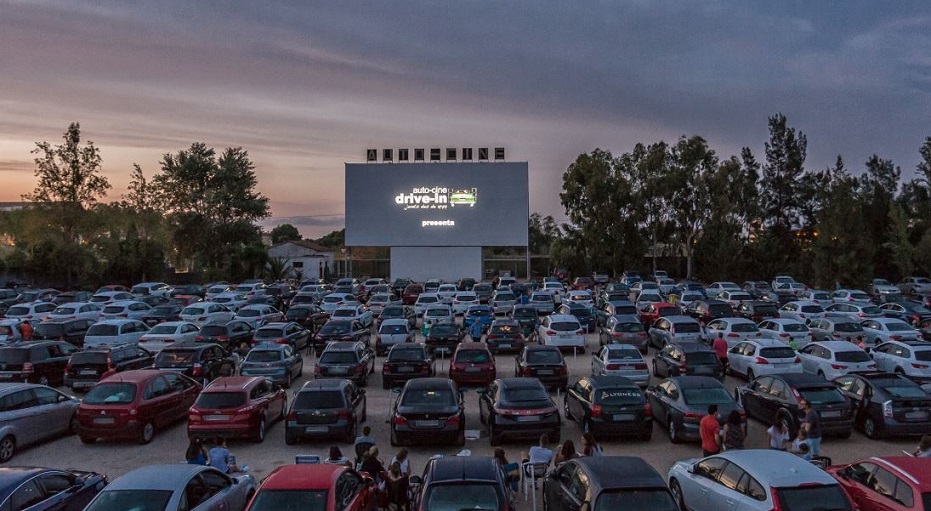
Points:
[[175, 358], [101, 330], [269, 333], [406, 355], [900, 391], [544, 357], [444, 329], [777, 352], [163, 329], [812, 498], [564, 326], [701, 358], [289, 500], [706, 396], [852, 356], [821, 395], [135, 500], [848, 327], [263, 356], [795, 327], [636, 500], [619, 396], [428, 397], [458, 497], [628, 327], [210, 400], [623, 353], [111, 394], [338, 357], [319, 399], [472, 357], [335, 328], [392, 312]]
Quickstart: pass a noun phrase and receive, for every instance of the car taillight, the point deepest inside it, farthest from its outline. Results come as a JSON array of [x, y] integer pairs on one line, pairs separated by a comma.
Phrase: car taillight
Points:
[[317, 370], [683, 366], [613, 367], [343, 414], [783, 335], [919, 366], [895, 337], [292, 416], [693, 415], [453, 419], [197, 369], [798, 360], [597, 411], [198, 337], [358, 369], [110, 365], [550, 332], [400, 420], [887, 408], [647, 409], [28, 368], [838, 366], [761, 360], [733, 335], [281, 341]]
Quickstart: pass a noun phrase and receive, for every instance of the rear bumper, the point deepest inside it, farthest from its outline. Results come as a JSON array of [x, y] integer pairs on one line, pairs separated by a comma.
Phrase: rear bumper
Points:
[[80, 383], [496, 345], [473, 379], [446, 435], [117, 431], [642, 427], [511, 430], [893, 427], [230, 430], [310, 431]]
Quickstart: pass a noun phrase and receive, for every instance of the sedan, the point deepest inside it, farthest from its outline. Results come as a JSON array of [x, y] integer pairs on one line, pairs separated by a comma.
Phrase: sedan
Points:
[[621, 360], [178, 486], [502, 301], [337, 330], [444, 337], [887, 404], [406, 362], [404, 312], [650, 312], [48, 489], [258, 315], [609, 406], [543, 302], [32, 413], [762, 356], [167, 333], [377, 303], [830, 359], [447, 292], [880, 330], [505, 335], [438, 313], [778, 397], [237, 407], [428, 409], [289, 333], [278, 362], [235, 335], [308, 315], [624, 330], [680, 402], [518, 408], [321, 487], [544, 363], [162, 313]]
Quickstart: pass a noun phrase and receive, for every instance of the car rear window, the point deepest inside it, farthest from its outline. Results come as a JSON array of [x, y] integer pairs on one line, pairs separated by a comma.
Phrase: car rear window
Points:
[[701, 358], [103, 330], [619, 396], [175, 358], [526, 394], [852, 356], [113, 309], [778, 352], [335, 328], [848, 327], [720, 309], [508, 297], [764, 309], [428, 397], [163, 330], [505, 329], [544, 357], [456, 497], [263, 356], [212, 330], [444, 329], [565, 326], [744, 327], [688, 328], [194, 311], [872, 310], [276, 500], [427, 299], [88, 357], [898, 327], [628, 327], [479, 312], [269, 333], [319, 399], [220, 400], [437, 312], [46, 330], [923, 355], [17, 311], [406, 355], [338, 357], [14, 355], [111, 394], [473, 356], [821, 395], [393, 329], [906, 392], [636, 500], [812, 309], [249, 313], [794, 327], [706, 396], [812, 498]]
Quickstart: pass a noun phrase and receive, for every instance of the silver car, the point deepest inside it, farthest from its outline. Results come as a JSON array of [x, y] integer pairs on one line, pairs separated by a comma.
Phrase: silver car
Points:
[[802, 311], [835, 329], [176, 486], [621, 360], [670, 329], [880, 330], [543, 302], [31, 413], [852, 311], [909, 357], [502, 301]]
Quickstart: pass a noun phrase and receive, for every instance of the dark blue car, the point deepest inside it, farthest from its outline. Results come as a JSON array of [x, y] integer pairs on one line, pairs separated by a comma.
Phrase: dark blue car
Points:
[[42, 489], [478, 313]]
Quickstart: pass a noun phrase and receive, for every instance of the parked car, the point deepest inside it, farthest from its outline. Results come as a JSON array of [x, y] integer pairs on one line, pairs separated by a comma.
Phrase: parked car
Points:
[[786, 330], [755, 480], [505, 335], [161, 314], [237, 407], [38, 311], [822, 298], [463, 482], [280, 363], [707, 310], [410, 293], [167, 334], [852, 311], [324, 409], [340, 331], [609, 406], [908, 357], [716, 288], [392, 332], [666, 330], [11, 330], [406, 362], [463, 300], [756, 357], [41, 362], [518, 408], [73, 331], [428, 410], [543, 302], [756, 311], [87, 367], [444, 337], [207, 313], [398, 312], [621, 360], [585, 315], [232, 301], [778, 395], [908, 311], [915, 285], [478, 313], [32, 413], [562, 331], [830, 359], [732, 330], [134, 404], [527, 317], [850, 296], [887, 483], [625, 329], [346, 359], [544, 363], [127, 309], [178, 486], [235, 335], [687, 358], [835, 329], [472, 364], [680, 402], [308, 315], [41, 489], [201, 361], [75, 310], [438, 313], [502, 301], [880, 330], [323, 487], [886, 404], [801, 311], [289, 333]]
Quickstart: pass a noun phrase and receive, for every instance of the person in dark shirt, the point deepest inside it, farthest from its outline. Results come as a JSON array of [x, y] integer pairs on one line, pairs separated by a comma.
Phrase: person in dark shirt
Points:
[[812, 425]]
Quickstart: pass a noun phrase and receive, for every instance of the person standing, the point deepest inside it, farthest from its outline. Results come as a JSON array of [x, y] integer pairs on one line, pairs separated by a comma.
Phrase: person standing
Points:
[[709, 429], [778, 435], [734, 433], [401, 459], [25, 330], [720, 349], [812, 425]]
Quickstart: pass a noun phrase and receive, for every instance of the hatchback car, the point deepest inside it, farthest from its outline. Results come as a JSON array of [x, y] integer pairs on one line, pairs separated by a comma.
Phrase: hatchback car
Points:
[[463, 482], [321, 487], [687, 358], [40, 362], [755, 480], [478, 313], [888, 483], [544, 363], [835, 329], [786, 330], [680, 402], [880, 330], [617, 483], [308, 315], [289, 333], [762, 356], [652, 311], [207, 313], [438, 313], [127, 309], [86, 367], [237, 407], [38, 311], [201, 361], [502, 301], [733, 330], [428, 410], [472, 364], [852, 311], [887, 404], [621, 360], [325, 409], [609, 406], [707, 310], [850, 296], [674, 329], [463, 300], [777, 397], [563, 331], [32, 413], [801, 311], [830, 359], [543, 302], [340, 331], [585, 315], [443, 338], [45, 489], [756, 311], [909, 357], [407, 362], [353, 360], [134, 404], [168, 333], [908, 311], [235, 335], [505, 335], [75, 310], [624, 329], [518, 408], [280, 363]]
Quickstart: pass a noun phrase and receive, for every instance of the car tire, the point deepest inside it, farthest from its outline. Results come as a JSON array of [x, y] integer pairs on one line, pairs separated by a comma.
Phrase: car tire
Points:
[[147, 433], [7, 448], [260, 432], [676, 491], [73, 424], [821, 373], [289, 439], [673, 430]]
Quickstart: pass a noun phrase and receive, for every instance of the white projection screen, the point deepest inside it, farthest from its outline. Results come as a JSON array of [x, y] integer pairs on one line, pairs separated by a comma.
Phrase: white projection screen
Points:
[[436, 204]]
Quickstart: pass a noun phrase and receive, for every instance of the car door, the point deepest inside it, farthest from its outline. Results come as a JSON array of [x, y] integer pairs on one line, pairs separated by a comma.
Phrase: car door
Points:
[[583, 402], [701, 482], [17, 411], [739, 356], [220, 492], [156, 405], [60, 492], [777, 398], [810, 355], [725, 496], [565, 490], [598, 361], [54, 410], [753, 396]]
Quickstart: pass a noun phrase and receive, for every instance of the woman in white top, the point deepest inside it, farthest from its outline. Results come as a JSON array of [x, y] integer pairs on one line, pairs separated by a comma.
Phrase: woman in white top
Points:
[[778, 436]]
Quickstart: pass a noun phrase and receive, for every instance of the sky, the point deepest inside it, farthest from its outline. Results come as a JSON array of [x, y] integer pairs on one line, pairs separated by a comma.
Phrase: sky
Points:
[[305, 86]]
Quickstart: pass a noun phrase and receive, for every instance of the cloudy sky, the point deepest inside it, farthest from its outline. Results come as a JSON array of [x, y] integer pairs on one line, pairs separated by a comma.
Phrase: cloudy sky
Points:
[[305, 86]]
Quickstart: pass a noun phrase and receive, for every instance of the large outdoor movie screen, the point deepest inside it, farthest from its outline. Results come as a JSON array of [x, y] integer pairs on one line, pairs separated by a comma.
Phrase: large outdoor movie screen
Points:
[[436, 204]]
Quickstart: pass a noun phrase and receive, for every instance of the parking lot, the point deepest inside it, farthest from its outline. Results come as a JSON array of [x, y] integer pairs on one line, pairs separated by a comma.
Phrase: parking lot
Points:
[[169, 445]]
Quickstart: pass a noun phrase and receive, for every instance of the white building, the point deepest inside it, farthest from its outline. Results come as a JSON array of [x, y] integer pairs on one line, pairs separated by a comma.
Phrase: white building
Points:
[[306, 259]]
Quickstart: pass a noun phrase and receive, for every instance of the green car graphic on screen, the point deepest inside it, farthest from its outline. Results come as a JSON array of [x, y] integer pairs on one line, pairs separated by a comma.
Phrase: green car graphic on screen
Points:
[[462, 198]]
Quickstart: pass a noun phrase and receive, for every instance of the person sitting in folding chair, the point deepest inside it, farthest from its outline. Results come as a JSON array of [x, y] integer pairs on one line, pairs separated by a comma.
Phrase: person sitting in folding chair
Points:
[[396, 488]]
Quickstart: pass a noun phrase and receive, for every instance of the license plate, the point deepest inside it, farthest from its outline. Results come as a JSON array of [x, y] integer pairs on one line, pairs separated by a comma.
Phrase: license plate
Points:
[[104, 420], [473, 369], [528, 418], [217, 417], [623, 417], [426, 424], [339, 370], [6, 376], [405, 369], [545, 372], [830, 413], [87, 372], [781, 366], [504, 345], [316, 429], [916, 415]]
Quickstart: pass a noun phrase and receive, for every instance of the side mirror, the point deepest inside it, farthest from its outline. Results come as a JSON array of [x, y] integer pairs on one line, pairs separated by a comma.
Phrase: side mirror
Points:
[[690, 469], [79, 482]]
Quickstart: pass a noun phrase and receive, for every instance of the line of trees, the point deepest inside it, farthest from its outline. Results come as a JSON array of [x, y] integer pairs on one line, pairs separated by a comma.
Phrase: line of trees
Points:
[[737, 218]]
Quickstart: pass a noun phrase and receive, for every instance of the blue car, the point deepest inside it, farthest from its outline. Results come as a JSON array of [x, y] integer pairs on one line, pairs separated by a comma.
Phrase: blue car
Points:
[[277, 362], [478, 313], [48, 488]]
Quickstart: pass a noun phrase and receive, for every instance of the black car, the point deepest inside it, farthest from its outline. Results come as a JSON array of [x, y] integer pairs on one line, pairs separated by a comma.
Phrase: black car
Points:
[[235, 335], [398, 311], [352, 360], [777, 396], [887, 404], [706, 310], [428, 410], [756, 311], [399, 284], [465, 284], [780, 298], [199, 361], [69, 330], [405, 362], [527, 316], [161, 314], [463, 482], [518, 408], [609, 406], [153, 300], [325, 409], [687, 358], [606, 483], [336, 330], [544, 363], [87, 367], [48, 489], [483, 291], [680, 402], [308, 315], [40, 362], [444, 337], [505, 335], [586, 316], [289, 333]]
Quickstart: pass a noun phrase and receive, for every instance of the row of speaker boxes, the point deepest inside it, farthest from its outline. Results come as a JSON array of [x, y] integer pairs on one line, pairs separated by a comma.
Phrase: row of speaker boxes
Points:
[[452, 154]]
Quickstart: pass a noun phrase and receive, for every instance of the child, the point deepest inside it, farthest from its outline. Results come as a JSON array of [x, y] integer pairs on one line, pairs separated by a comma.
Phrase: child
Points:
[[804, 452], [800, 440]]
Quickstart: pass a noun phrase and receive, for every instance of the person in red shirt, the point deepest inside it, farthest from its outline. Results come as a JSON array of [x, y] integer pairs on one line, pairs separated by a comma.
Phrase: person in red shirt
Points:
[[709, 429], [25, 329], [720, 349]]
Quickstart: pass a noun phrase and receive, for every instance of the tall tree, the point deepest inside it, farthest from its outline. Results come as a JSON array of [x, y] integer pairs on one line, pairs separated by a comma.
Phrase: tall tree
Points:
[[785, 164], [879, 186], [692, 161], [898, 247]]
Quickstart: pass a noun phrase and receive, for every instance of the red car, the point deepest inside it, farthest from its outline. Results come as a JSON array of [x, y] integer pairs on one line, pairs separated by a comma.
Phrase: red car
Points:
[[583, 284], [237, 407], [410, 294], [133, 404], [888, 483], [472, 364], [653, 311], [320, 487]]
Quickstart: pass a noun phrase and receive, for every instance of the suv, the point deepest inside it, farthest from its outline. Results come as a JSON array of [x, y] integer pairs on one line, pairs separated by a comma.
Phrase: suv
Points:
[[354, 360], [40, 362], [669, 329], [325, 408], [236, 335], [69, 330], [464, 482], [201, 361], [86, 368], [609, 405], [687, 358]]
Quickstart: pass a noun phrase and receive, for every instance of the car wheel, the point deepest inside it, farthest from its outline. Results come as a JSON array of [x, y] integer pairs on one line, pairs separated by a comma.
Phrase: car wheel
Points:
[[821, 373], [750, 374], [288, 381], [677, 494], [147, 433], [899, 371], [289, 439], [870, 429], [260, 432], [674, 431], [7, 448]]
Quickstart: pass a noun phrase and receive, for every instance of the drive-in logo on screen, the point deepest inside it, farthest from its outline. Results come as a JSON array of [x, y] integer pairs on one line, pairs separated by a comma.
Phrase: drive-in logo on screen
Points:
[[437, 198]]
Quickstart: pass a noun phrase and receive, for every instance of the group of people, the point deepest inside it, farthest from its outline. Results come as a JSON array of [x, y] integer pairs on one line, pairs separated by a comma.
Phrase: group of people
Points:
[[715, 438], [218, 456]]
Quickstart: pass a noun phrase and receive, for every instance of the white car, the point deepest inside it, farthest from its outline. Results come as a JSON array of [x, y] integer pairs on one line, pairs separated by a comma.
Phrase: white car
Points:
[[621, 360], [438, 313], [880, 330], [911, 358], [463, 300], [780, 280], [915, 285], [377, 303], [152, 288], [129, 309], [391, 332], [168, 333], [216, 289], [688, 297], [111, 296], [563, 331], [9, 330], [333, 301], [38, 311], [830, 359], [257, 315], [80, 310], [734, 330], [666, 285], [796, 288], [502, 301], [251, 289], [447, 292], [206, 313], [758, 357], [785, 330], [716, 288], [734, 297], [232, 301], [884, 287], [354, 313], [852, 311], [851, 296], [582, 298], [822, 298], [113, 332], [801, 311], [555, 289], [425, 300]]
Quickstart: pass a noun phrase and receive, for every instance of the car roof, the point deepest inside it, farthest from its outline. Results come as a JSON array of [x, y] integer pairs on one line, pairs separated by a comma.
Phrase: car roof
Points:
[[228, 383], [680, 319], [611, 381], [802, 379], [274, 324], [124, 303], [562, 317], [12, 477], [626, 318], [320, 476], [735, 320], [471, 345], [341, 346], [519, 383], [610, 472], [767, 343], [840, 346], [323, 384], [463, 468], [429, 383], [394, 321], [884, 321], [785, 321], [778, 468], [171, 477], [691, 347], [696, 382], [133, 376]]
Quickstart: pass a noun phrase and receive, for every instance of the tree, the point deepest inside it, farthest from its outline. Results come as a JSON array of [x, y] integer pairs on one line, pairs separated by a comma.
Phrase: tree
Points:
[[785, 164], [285, 232], [898, 246], [542, 231], [692, 162], [839, 253], [335, 239], [879, 186]]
